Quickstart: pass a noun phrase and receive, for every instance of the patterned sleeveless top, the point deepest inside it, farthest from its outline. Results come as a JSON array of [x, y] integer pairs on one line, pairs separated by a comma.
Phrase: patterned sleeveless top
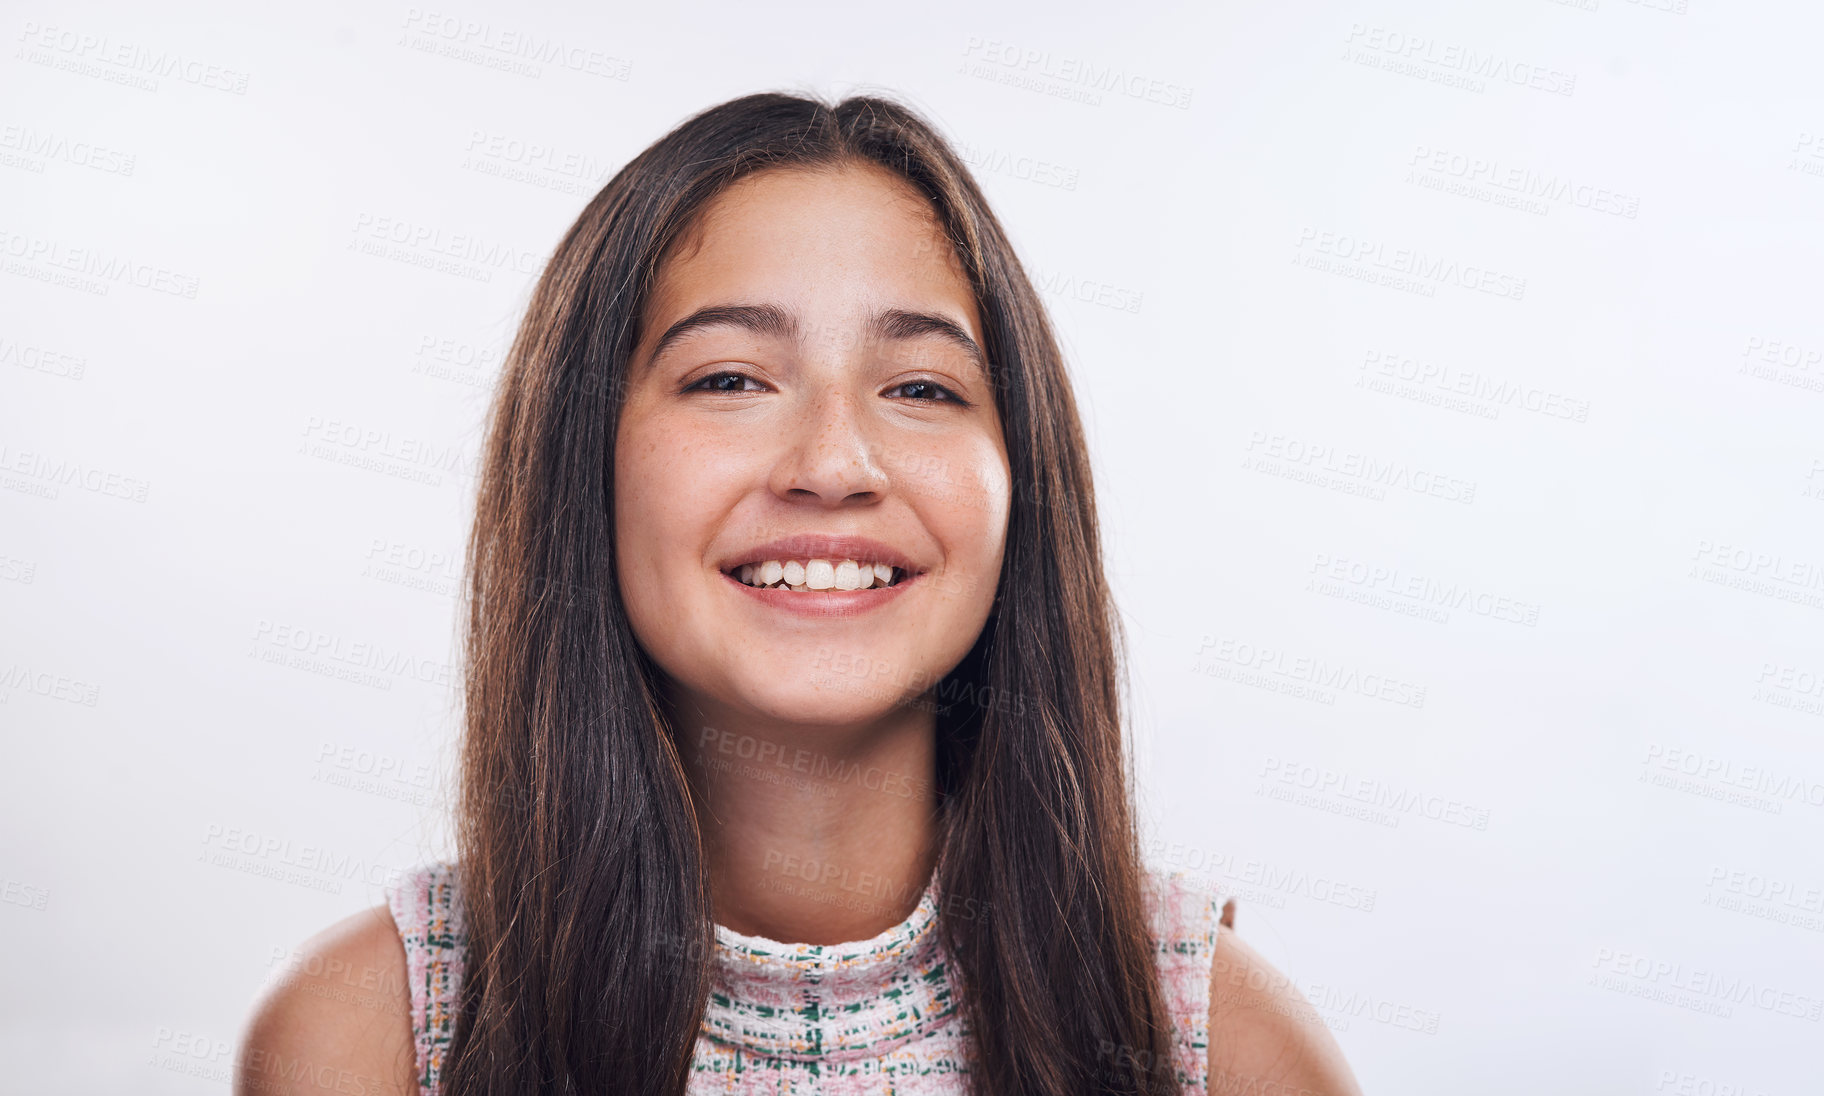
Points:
[[877, 1016]]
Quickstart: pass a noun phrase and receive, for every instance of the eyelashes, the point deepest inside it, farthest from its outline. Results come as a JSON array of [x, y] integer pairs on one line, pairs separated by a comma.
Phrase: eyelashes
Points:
[[725, 374], [948, 395], [717, 382]]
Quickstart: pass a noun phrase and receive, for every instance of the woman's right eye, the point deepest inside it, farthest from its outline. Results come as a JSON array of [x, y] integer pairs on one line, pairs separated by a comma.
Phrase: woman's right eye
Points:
[[721, 382]]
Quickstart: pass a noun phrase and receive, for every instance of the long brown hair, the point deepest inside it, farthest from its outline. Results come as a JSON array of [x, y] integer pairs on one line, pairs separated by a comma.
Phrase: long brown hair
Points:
[[591, 933]]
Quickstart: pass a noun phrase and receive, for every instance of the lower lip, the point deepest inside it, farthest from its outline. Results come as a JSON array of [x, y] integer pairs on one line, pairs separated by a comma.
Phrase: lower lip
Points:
[[823, 603]]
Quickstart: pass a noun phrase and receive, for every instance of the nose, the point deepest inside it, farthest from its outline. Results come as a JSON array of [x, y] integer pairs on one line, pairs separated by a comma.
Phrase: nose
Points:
[[828, 456]]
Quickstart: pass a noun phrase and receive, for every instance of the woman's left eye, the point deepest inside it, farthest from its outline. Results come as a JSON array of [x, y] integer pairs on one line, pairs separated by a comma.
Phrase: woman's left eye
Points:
[[719, 382], [930, 393]]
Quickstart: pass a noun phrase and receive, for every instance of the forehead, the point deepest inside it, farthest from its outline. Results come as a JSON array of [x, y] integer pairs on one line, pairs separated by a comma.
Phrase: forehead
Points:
[[827, 241]]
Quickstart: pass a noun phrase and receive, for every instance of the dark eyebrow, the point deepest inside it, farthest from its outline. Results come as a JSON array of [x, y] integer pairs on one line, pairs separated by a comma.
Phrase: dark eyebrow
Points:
[[896, 323], [761, 319], [892, 324]]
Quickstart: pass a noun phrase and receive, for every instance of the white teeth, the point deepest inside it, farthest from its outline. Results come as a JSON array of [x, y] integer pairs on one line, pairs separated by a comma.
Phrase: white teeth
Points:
[[816, 574]]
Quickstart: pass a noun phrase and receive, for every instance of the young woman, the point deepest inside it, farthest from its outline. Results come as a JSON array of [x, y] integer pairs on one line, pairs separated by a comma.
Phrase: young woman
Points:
[[793, 757]]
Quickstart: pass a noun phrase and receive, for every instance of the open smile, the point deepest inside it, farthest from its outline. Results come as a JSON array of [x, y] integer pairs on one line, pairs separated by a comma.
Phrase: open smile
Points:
[[801, 576], [822, 574], [830, 601]]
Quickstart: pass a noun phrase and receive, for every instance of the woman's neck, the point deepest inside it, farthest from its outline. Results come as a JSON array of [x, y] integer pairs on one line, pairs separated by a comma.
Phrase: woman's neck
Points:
[[813, 834]]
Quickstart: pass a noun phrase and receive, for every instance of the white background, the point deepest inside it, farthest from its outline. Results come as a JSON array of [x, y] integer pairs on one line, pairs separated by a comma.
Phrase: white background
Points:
[[1455, 379]]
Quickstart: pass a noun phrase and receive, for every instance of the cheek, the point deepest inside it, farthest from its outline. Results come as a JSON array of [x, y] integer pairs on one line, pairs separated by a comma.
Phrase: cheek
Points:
[[964, 494], [655, 527], [672, 487], [634, 499]]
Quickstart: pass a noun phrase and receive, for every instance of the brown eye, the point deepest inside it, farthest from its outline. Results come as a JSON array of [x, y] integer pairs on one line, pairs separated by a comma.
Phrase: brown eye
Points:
[[725, 381], [927, 392]]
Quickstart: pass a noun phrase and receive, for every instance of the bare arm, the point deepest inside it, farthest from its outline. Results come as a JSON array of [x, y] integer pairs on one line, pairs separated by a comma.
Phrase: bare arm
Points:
[[1265, 1038], [336, 1018]]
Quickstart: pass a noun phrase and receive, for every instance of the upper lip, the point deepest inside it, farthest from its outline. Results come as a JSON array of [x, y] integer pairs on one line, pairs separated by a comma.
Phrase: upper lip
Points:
[[832, 547]]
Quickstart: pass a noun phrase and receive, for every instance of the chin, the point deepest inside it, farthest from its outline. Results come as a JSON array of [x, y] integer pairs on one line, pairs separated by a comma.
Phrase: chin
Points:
[[842, 702], [820, 696]]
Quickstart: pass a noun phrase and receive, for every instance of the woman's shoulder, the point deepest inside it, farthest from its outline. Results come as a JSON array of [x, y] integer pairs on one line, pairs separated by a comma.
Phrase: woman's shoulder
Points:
[[337, 1006], [1252, 1028], [352, 1000], [1241, 1025]]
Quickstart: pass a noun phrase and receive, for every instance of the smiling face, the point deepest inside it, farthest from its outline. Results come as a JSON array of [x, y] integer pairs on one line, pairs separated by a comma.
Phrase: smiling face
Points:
[[808, 386]]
